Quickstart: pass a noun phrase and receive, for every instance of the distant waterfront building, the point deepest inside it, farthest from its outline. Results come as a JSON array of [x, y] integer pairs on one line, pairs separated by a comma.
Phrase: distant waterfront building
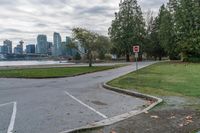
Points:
[[64, 49], [30, 49], [57, 42], [8, 44], [49, 48], [4, 49], [69, 50], [41, 47], [1, 49], [19, 48]]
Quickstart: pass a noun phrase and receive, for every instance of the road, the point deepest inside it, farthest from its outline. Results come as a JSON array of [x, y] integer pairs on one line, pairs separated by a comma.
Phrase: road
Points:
[[56, 105]]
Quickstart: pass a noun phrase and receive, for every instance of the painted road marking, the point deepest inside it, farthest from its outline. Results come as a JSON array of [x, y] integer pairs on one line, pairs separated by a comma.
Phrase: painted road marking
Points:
[[97, 112], [13, 117], [1, 105]]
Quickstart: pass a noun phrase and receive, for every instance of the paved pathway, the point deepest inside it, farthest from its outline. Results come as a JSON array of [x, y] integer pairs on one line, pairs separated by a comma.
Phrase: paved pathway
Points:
[[56, 105]]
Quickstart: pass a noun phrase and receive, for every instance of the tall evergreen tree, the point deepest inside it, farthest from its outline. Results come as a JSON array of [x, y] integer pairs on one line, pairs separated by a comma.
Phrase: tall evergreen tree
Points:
[[128, 27], [156, 50], [167, 36], [188, 29]]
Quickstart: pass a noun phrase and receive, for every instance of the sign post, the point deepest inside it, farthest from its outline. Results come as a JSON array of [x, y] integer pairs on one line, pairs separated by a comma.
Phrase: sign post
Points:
[[136, 50]]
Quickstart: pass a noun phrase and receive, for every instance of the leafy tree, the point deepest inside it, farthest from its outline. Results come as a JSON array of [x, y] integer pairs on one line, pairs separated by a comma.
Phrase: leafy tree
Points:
[[87, 39], [156, 50], [166, 33], [148, 38], [128, 28], [92, 42], [187, 20], [77, 56], [103, 46]]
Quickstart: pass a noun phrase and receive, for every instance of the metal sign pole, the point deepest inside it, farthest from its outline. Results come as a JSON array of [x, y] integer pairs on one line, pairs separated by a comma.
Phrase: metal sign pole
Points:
[[136, 50], [136, 59]]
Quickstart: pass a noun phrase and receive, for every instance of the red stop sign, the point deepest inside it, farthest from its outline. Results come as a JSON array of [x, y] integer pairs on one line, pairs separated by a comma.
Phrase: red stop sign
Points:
[[136, 49]]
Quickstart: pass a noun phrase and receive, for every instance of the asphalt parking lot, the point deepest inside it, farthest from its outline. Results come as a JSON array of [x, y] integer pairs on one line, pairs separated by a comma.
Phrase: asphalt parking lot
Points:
[[57, 105]]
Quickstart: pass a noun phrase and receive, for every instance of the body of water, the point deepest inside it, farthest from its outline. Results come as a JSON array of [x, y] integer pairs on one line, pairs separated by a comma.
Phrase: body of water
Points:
[[27, 63]]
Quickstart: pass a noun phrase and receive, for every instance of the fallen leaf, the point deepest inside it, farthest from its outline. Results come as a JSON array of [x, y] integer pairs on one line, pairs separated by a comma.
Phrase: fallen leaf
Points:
[[188, 118], [154, 116], [180, 125], [172, 117], [112, 132], [146, 112]]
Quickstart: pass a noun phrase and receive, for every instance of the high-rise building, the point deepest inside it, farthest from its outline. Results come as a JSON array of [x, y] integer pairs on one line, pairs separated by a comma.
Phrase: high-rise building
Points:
[[1, 49], [4, 49], [30, 49], [19, 48], [8, 44], [64, 49], [41, 47], [69, 50], [50, 48], [57, 41]]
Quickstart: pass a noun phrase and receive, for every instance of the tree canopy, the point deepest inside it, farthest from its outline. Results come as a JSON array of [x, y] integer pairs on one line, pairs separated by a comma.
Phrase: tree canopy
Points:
[[91, 42], [174, 32], [128, 28]]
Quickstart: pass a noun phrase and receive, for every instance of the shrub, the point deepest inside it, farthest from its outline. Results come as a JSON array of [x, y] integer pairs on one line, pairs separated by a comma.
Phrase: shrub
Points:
[[108, 56]]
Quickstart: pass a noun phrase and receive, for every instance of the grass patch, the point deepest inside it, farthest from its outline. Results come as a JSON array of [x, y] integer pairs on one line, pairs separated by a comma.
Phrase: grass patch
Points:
[[168, 78], [52, 72]]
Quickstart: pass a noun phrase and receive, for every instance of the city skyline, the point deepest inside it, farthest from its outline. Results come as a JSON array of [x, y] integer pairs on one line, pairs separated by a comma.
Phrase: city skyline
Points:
[[57, 48], [26, 19]]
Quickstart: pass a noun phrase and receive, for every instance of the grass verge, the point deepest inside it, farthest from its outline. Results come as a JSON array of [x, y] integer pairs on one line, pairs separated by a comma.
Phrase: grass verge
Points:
[[52, 72], [164, 79]]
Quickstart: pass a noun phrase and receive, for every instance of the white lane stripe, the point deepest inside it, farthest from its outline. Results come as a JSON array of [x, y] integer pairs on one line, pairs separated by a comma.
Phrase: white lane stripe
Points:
[[12, 120], [6, 104], [102, 115], [13, 117]]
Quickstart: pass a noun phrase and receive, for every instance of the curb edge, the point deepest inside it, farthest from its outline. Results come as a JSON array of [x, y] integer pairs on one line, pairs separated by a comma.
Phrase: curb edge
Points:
[[122, 117]]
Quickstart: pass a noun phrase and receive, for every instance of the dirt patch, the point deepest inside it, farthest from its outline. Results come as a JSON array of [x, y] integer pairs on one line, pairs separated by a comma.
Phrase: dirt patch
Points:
[[163, 121], [175, 115]]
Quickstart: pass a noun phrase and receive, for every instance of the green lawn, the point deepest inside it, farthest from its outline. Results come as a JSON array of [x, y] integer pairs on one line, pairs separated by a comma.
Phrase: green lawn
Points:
[[163, 79], [52, 72]]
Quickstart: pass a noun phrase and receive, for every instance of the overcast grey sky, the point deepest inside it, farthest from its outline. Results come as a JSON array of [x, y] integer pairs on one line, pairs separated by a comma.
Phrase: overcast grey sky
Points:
[[25, 19]]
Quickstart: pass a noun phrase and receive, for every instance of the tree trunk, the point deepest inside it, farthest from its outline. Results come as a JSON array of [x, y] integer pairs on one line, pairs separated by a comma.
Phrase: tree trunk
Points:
[[127, 58], [155, 58], [160, 58], [90, 59]]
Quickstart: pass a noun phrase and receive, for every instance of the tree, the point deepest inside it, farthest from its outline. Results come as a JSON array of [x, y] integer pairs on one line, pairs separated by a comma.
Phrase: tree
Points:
[[128, 28], [103, 46], [166, 33], [156, 50], [77, 56], [87, 39], [187, 19], [148, 38], [92, 42]]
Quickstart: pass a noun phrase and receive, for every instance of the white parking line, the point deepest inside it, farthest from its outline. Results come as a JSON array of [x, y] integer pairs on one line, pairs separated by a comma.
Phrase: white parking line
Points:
[[12, 120], [6, 104], [13, 117], [97, 112]]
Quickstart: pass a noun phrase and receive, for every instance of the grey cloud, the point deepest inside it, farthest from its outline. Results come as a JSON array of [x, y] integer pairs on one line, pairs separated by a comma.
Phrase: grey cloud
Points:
[[10, 30], [41, 25], [26, 19], [98, 10], [7, 2]]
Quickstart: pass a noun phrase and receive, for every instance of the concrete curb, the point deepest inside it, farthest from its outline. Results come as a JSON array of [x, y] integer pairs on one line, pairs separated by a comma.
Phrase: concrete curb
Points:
[[122, 117], [154, 99]]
